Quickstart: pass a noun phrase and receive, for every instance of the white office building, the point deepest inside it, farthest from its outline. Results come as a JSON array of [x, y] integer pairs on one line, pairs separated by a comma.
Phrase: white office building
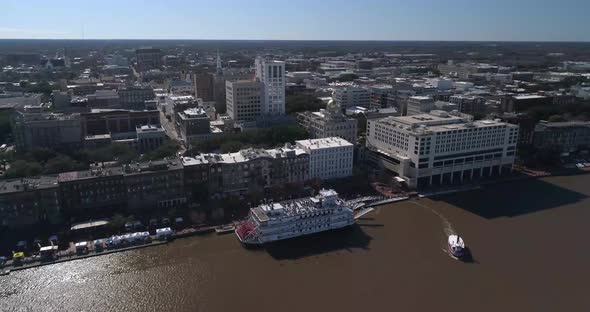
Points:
[[442, 148], [329, 158], [352, 96], [272, 74]]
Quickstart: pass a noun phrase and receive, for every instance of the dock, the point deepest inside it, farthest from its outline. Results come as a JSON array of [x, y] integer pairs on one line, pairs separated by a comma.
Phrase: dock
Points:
[[70, 255], [363, 212], [62, 259]]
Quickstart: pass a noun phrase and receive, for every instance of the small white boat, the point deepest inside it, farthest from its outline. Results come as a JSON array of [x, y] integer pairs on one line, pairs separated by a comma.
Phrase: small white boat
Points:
[[456, 246], [228, 228]]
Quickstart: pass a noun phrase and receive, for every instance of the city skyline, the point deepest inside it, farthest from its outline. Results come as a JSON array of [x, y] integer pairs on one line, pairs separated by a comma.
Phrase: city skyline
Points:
[[425, 20]]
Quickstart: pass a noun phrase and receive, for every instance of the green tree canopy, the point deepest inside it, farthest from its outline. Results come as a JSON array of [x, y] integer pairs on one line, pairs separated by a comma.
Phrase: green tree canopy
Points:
[[168, 149], [301, 103], [260, 138], [62, 163], [22, 168]]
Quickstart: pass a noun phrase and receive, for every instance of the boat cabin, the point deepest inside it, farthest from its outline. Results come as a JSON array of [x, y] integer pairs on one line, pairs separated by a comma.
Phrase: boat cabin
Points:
[[81, 248], [48, 252], [164, 234]]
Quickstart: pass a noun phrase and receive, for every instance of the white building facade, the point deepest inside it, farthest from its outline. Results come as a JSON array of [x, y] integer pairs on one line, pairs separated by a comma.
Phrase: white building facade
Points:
[[440, 148], [272, 74], [325, 124], [329, 158], [352, 96]]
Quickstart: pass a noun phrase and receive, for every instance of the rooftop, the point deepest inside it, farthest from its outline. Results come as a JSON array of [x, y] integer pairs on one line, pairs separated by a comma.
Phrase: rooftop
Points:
[[25, 184], [565, 124], [421, 98], [195, 112], [435, 117], [242, 156], [529, 97], [301, 206], [148, 128], [438, 121], [314, 144]]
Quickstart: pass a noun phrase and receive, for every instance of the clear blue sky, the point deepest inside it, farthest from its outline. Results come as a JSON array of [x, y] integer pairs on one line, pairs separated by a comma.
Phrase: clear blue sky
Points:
[[527, 20]]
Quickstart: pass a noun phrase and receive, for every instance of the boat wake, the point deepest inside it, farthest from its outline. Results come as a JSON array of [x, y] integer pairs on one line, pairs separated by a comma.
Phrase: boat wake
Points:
[[447, 228]]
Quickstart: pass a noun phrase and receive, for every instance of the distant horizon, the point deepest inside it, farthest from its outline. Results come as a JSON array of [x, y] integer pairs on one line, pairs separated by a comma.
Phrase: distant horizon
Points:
[[305, 20], [293, 40]]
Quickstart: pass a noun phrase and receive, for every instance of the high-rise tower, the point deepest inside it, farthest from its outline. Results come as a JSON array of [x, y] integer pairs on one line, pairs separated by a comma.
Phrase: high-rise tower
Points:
[[272, 74]]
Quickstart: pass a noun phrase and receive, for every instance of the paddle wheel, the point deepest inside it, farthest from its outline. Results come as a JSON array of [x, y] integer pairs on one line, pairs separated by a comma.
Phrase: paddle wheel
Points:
[[245, 230]]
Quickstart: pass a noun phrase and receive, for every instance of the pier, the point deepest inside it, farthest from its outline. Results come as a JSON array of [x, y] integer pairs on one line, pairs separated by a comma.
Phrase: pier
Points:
[[71, 255], [363, 212]]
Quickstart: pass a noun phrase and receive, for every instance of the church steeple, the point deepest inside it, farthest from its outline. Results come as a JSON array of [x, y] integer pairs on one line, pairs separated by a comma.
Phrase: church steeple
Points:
[[219, 68]]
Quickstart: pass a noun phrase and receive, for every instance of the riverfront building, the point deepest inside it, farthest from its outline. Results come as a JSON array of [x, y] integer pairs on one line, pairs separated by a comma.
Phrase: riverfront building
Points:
[[329, 158], [105, 189], [29, 201], [442, 148], [568, 137], [246, 171]]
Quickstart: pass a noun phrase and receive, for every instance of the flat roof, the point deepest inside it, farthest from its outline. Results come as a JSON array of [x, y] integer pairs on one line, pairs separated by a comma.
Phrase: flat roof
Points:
[[314, 144], [88, 225], [241, 156], [529, 97], [439, 122], [564, 124], [27, 184], [425, 119]]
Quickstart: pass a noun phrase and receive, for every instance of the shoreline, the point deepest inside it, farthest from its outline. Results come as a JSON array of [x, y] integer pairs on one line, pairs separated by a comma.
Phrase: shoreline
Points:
[[206, 230], [92, 254], [9, 268]]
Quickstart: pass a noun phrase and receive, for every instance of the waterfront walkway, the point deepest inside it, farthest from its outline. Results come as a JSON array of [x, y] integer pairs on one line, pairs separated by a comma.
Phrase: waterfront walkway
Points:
[[70, 253]]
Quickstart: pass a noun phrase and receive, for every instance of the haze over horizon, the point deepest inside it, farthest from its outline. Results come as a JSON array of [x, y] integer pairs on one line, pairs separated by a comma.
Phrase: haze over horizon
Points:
[[422, 20]]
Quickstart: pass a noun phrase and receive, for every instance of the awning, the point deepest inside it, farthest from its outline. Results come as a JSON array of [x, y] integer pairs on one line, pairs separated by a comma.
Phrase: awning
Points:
[[48, 248], [89, 225]]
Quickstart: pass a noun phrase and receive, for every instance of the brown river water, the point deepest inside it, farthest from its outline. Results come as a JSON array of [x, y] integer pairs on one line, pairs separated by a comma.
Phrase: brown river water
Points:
[[529, 242]]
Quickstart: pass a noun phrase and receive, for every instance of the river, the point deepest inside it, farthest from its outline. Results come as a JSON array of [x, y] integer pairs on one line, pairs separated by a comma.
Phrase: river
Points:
[[528, 239]]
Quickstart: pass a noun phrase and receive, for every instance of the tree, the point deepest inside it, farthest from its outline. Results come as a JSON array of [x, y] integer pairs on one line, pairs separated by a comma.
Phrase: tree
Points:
[[41, 155], [5, 129], [301, 103], [231, 147], [22, 168], [548, 156], [62, 163], [347, 77], [260, 138], [121, 153], [117, 222], [168, 149]]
